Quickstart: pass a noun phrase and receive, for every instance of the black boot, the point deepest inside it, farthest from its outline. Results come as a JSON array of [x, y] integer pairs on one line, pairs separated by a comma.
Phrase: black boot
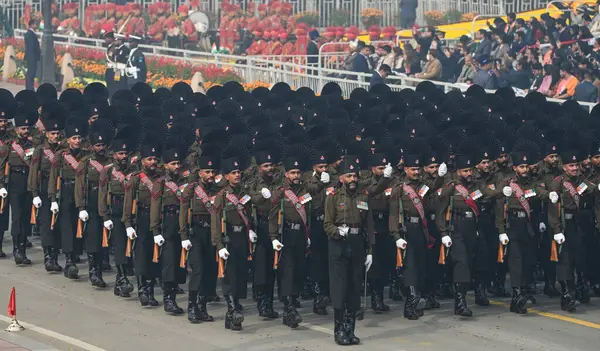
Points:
[[48, 262], [259, 297], [291, 318], [596, 288], [26, 261], [123, 287], [481, 298], [106, 260], [519, 303], [582, 291], [394, 292], [142, 291], [203, 314], [320, 301], [57, 267], [550, 288], [229, 316], [306, 293], [350, 322], [498, 289], [377, 304], [169, 303], [150, 291], [268, 306], [237, 317], [460, 300], [410, 312], [431, 301], [192, 309], [71, 270], [418, 303], [2, 253], [92, 274], [339, 328], [567, 299]]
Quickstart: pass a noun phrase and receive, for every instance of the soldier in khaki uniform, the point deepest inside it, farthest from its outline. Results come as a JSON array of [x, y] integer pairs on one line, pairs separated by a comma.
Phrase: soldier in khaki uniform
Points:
[[7, 108], [61, 191], [136, 218], [266, 181], [87, 192], [167, 194], [53, 115], [194, 227], [111, 196], [349, 225], [230, 229]]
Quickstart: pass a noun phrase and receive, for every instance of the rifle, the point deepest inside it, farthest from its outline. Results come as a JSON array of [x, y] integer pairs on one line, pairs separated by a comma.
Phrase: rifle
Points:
[[555, 249], [105, 232], [399, 254], [184, 252], [502, 249], [133, 212], [58, 184], [444, 251], [6, 175], [221, 262], [276, 257]]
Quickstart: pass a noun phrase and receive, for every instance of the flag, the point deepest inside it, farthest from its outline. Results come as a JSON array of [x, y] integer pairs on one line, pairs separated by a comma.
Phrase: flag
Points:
[[12, 304]]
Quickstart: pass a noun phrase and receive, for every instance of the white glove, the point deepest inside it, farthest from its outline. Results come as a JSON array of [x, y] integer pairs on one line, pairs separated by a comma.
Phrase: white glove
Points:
[[401, 244], [159, 240], [387, 172], [224, 254], [252, 235], [443, 169], [265, 193], [542, 227], [447, 241], [186, 244], [3, 193], [108, 224], [308, 242], [54, 207], [84, 216], [369, 262], [507, 191], [559, 238], [37, 202], [131, 233], [503, 238], [325, 177], [343, 230], [277, 246], [553, 197]]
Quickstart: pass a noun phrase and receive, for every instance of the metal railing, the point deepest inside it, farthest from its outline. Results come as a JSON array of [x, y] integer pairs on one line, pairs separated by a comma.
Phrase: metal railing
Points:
[[260, 69]]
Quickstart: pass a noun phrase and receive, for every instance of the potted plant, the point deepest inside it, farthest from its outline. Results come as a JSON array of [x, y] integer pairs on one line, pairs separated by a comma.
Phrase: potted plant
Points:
[[434, 17], [371, 17]]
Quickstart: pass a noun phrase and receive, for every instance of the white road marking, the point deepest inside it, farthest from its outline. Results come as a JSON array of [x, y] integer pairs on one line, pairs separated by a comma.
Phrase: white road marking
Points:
[[54, 335]]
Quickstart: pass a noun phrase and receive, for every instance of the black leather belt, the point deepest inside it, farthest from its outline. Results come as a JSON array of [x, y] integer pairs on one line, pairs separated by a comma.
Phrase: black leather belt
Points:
[[19, 169], [296, 226], [171, 209]]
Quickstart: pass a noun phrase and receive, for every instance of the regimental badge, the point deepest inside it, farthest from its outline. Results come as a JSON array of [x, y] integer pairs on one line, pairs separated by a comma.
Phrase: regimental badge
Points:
[[492, 186], [245, 199], [362, 205], [424, 189], [581, 188], [476, 194]]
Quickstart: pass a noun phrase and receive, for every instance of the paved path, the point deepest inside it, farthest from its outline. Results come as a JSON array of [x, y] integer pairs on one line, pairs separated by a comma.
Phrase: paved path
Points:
[[12, 87]]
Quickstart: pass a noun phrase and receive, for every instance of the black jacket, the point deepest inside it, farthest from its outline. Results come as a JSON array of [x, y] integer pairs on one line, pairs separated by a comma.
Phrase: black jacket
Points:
[[32, 48]]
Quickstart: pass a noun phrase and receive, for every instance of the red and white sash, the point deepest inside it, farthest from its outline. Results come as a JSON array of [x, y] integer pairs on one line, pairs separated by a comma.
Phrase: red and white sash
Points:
[[468, 200], [521, 197], [147, 182], [239, 208], [414, 198], [71, 161], [174, 188], [571, 189], [119, 176], [299, 208], [201, 194], [99, 167], [19, 150], [49, 155]]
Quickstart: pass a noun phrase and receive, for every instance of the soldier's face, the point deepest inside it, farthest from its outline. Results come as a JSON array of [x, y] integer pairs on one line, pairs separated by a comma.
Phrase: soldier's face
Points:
[[22, 132], [551, 159], [521, 170], [378, 171], [320, 168], [484, 166], [431, 169], [74, 142], [502, 160], [52, 137], [586, 164], [266, 169], [350, 180], [3, 124], [465, 174], [293, 176], [121, 157], [173, 167], [570, 169], [99, 149], [412, 173], [533, 169], [207, 175], [234, 177], [596, 160], [150, 163]]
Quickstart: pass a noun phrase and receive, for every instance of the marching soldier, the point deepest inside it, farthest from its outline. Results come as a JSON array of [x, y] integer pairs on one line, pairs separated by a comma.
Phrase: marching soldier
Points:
[[87, 188], [136, 218], [136, 63], [19, 162], [513, 220], [594, 177], [194, 227], [39, 178], [7, 107], [61, 192], [267, 181], [113, 182], [349, 225], [231, 231], [565, 195], [289, 231]]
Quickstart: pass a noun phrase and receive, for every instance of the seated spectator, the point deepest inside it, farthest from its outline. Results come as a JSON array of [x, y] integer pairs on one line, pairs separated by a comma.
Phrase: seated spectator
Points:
[[519, 78], [485, 43], [518, 43], [361, 63], [468, 71], [567, 84], [411, 65], [550, 81], [398, 59], [433, 67], [386, 56], [586, 91], [380, 75], [500, 52], [538, 76], [485, 76]]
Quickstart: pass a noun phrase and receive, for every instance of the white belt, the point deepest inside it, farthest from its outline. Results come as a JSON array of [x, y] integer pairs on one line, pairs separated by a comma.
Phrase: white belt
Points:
[[414, 219], [238, 228], [568, 216]]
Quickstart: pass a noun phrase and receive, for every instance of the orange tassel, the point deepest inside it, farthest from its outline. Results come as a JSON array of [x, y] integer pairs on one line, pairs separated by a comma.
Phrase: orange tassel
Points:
[[32, 218], [53, 221], [554, 252], [79, 234], [104, 237], [182, 259], [442, 259], [221, 267], [500, 253], [134, 207], [155, 254], [276, 260], [128, 248], [399, 262], [2, 206]]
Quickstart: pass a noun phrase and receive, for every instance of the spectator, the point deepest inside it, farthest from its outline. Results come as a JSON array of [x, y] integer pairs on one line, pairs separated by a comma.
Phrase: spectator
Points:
[[567, 84], [353, 51], [408, 13], [563, 34], [380, 75], [424, 39], [386, 57], [450, 65], [398, 58], [373, 57], [467, 44], [433, 67], [499, 27], [468, 71], [550, 81], [538, 76], [485, 44], [586, 91], [32, 54], [511, 17], [411, 65], [518, 43], [485, 76], [361, 63], [500, 52], [312, 50], [519, 78]]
